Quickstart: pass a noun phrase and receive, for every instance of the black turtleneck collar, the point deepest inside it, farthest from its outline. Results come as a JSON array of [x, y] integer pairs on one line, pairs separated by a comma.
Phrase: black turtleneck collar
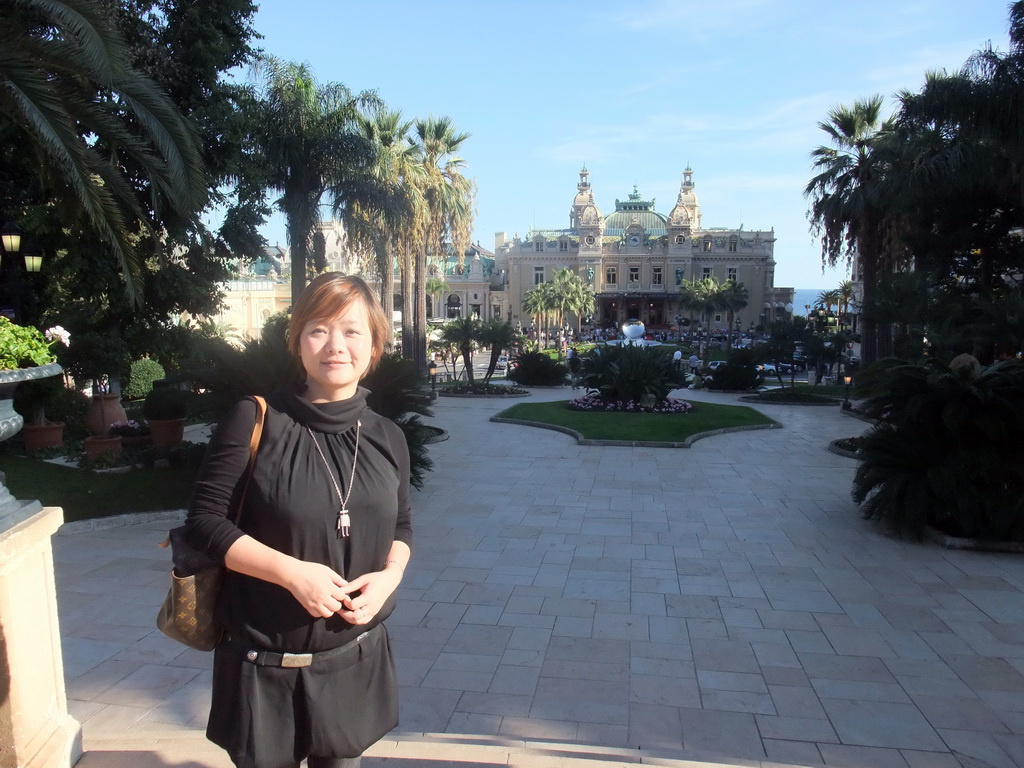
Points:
[[331, 418]]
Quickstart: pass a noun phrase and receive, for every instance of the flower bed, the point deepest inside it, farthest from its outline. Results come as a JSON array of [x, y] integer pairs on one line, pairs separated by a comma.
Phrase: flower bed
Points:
[[480, 388], [594, 402]]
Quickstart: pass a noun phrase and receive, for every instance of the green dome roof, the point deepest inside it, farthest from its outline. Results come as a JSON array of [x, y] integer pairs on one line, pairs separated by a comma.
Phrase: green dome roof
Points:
[[637, 208]]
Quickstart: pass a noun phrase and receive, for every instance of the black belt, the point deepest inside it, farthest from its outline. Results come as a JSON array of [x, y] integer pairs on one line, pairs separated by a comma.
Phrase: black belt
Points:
[[264, 658]]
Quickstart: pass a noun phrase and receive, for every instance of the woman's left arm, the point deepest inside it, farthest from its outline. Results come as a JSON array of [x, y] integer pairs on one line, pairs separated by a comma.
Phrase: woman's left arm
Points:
[[376, 587]]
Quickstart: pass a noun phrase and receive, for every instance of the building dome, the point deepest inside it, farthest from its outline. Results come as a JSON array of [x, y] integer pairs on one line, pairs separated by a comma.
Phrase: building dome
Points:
[[635, 209]]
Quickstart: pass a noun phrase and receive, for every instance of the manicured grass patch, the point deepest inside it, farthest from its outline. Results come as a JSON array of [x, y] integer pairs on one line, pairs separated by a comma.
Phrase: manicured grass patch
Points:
[[653, 427], [832, 390], [85, 495], [796, 396]]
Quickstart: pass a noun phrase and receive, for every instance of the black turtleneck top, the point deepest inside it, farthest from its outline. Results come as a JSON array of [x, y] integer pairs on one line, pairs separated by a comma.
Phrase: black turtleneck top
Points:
[[291, 505]]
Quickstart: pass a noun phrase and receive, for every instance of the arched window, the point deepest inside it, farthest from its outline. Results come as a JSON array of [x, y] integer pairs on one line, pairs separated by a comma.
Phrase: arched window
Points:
[[454, 306]]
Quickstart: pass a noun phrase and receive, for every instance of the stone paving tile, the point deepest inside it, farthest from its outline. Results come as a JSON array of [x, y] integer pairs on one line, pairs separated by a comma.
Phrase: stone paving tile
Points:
[[846, 755], [730, 734], [786, 753], [882, 724]]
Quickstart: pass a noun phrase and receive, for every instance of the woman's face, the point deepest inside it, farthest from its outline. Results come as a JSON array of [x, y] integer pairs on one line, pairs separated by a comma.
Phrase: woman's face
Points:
[[336, 353]]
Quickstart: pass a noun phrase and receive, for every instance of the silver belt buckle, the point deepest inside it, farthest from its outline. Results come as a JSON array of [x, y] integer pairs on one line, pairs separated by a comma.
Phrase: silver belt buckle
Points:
[[296, 659]]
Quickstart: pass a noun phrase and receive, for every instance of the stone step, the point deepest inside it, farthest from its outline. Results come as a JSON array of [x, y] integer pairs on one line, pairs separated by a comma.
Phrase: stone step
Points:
[[160, 748]]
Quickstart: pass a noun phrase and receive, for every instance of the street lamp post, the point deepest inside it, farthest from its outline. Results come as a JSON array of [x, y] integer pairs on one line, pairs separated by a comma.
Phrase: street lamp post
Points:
[[846, 398], [432, 373]]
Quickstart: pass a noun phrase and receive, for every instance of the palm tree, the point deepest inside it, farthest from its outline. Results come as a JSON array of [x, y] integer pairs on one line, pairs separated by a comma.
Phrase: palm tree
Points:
[[436, 288], [311, 143], [92, 125], [447, 211], [499, 335], [846, 293], [570, 294], [463, 332], [827, 299], [846, 210], [700, 296], [535, 304], [732, 297], [380, 216]]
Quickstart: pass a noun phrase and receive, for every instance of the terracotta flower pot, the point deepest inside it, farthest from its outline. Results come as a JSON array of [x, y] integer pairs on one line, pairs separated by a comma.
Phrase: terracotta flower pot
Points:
[[136, 441], [95, 447], [166, 433], [103, 411], [40, 436]]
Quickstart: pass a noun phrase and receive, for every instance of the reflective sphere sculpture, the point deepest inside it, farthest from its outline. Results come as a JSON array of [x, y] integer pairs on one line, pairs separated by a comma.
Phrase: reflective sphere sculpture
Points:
[[633, 329]]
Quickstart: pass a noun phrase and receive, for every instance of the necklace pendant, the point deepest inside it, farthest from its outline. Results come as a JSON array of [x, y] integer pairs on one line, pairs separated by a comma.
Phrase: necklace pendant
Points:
[[343, 523]]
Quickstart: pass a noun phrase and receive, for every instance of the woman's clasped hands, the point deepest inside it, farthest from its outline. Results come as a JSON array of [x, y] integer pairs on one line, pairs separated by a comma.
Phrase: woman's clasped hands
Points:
[[323, 593]]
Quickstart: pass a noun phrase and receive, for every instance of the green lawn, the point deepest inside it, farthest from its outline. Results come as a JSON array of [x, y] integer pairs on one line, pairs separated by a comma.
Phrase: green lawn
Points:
[[830, 390], [85, 495], [653, 427]]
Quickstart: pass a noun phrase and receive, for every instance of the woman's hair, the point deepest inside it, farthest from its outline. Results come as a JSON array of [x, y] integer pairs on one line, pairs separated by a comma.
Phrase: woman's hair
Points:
[[327, 297]]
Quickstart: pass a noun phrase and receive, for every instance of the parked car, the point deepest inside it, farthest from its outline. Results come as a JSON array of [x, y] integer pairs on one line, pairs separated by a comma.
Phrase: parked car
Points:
[[796, 366], [502, 364]]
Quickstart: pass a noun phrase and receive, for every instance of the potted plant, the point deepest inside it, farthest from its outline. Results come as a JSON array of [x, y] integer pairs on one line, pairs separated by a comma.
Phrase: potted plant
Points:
[[165, 409], [131, 432], [96, 357], [32, 400], [26, 354]]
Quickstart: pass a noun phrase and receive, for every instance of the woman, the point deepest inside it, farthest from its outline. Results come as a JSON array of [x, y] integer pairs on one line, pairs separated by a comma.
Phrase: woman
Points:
[[322, 541]]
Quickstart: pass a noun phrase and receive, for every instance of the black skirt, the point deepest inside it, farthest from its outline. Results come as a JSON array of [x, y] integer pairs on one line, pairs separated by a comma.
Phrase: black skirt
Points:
[[272, 717]]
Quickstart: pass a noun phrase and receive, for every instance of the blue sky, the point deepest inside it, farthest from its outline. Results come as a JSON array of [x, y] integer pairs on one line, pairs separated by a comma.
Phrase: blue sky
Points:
[[637, 90]]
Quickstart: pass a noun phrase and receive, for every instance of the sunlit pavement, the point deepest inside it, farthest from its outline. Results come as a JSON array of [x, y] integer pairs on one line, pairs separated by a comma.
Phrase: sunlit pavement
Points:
[[581, 606]]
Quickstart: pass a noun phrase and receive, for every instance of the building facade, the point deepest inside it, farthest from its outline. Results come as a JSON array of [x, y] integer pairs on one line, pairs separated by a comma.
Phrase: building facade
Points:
[[636, 259]]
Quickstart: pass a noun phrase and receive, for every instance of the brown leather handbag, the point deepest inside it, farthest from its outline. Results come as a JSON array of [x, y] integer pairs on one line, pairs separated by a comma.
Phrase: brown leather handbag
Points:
[[187, 614]]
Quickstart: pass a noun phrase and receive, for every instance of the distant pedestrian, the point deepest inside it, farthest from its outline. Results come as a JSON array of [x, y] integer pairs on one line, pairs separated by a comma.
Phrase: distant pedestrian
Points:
[[694, 363], [677, 360]]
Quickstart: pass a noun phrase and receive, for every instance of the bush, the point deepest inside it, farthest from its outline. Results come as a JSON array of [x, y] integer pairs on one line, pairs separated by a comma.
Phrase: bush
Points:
[[396, 394], [141, 377], [70, 406], [627, 373], [947, 450], [538, 370], [738, 373]]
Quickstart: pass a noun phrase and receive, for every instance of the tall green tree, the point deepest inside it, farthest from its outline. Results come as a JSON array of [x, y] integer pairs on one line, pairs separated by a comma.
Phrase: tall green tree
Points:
[[847, 210], [463, 333], [732, 297], [845, 293], [435, 289], [499, 335], [700, 296], [381, 216], [111, 154], [447, 212], [570, 294], [310, 143]]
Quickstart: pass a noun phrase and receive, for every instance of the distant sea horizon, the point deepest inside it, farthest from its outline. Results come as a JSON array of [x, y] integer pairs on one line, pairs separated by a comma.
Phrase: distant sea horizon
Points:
[[804, 296]]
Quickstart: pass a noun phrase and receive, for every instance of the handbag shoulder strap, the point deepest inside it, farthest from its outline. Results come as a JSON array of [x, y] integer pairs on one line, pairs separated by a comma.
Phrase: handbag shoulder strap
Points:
[[254, 445]]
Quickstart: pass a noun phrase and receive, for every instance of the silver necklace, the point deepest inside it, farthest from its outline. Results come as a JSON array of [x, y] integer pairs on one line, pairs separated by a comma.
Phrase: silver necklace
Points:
[[343, 518]]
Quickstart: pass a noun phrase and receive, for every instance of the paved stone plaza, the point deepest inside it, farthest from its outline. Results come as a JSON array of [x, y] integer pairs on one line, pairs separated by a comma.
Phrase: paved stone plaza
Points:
[[582, 606]]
